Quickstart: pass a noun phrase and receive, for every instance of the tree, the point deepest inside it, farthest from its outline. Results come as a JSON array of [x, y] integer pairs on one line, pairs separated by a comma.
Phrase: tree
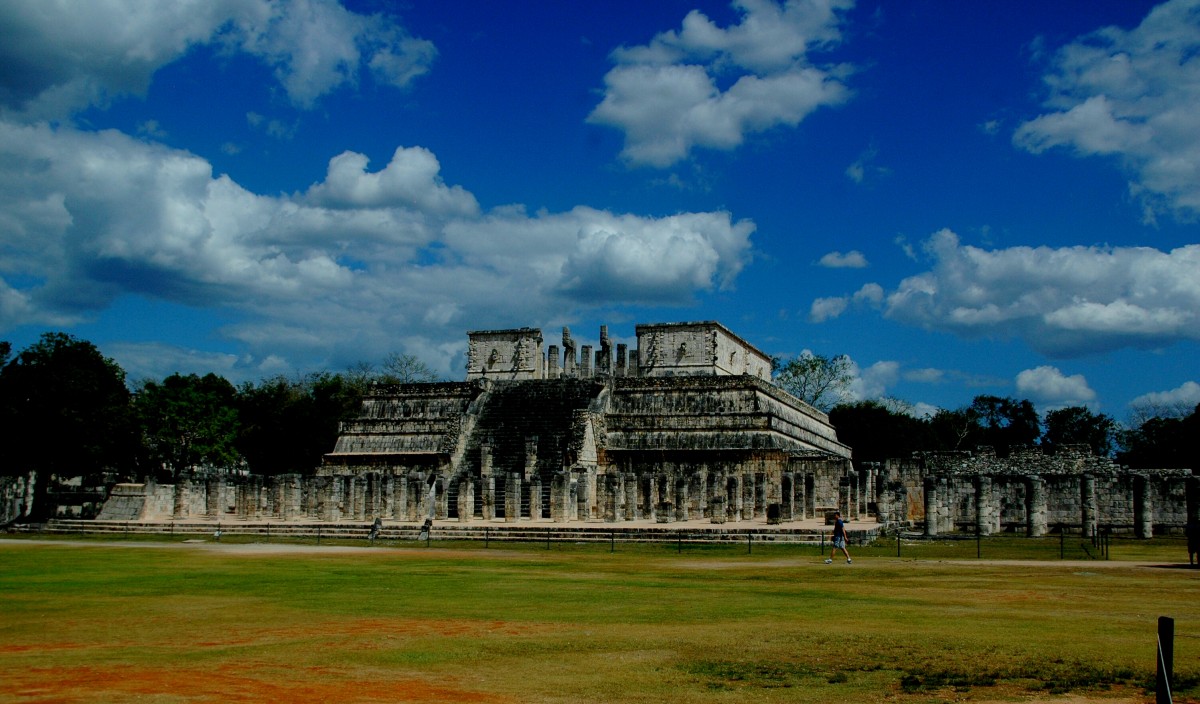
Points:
[[953, 429], [818, 380], [406, 369], [287, 425], [1160, 443], [1005, 423], [67, 410], [189, 421], [1077, 425], [876, 433]]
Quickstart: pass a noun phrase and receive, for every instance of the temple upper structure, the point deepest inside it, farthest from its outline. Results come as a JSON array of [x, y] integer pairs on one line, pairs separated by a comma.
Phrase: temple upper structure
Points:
[[663, 349]]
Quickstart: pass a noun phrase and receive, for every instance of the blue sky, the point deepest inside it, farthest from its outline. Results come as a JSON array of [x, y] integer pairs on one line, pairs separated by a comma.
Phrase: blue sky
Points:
[[965, 198]]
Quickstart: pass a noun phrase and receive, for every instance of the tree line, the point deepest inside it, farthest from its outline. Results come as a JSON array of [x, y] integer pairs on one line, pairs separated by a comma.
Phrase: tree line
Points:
[[68, 411], [1158, 438]]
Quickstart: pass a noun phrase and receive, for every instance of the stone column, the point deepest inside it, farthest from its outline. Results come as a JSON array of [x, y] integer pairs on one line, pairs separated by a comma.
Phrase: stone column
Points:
[[413, 497], [787, 497], [400, 498], [931, 506], [747, 497], [845, 499], [608, 498], [622, 352], [735, 489], [256, 496], [1090, 508], [331, 506], [586, 492], [632, 507], [466, 499], [487, 482], [945, 506], [573, 501], [535, 497], [760, 495], [360, 497], [1143, 508], [651, 504], [560, 497], [1035, 508], [872, 490], [512, 497], [717, 500], [984, 505], [183, 488], [800, 500], [681, 499], [212, 497], [860, 489], [552, 370]]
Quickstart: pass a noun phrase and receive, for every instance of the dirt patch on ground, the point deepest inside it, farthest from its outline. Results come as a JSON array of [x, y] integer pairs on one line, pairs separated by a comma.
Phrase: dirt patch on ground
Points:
[[226, 684]]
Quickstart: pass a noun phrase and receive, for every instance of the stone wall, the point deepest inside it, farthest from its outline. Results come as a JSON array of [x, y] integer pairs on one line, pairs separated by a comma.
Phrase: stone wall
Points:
[[1033, 493], [16, 497]]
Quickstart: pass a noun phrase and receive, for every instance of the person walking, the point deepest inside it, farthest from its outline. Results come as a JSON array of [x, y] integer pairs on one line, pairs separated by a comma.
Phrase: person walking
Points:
[[839, 539]]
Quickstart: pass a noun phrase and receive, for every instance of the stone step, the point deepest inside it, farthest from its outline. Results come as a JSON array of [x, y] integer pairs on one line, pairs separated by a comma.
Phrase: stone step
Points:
[[459, 531]]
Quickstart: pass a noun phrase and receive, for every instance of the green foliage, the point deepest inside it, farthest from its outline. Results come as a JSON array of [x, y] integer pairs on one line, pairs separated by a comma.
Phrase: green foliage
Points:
[[287, 425], [188, 422], [67, 409], [1160, 443], [815, 379], [876, 433], [1077, 425], [1004, 423]]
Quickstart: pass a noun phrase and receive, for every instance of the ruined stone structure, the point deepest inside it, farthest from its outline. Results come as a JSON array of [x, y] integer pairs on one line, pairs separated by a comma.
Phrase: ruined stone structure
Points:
[[686, 426], [1033, 493]]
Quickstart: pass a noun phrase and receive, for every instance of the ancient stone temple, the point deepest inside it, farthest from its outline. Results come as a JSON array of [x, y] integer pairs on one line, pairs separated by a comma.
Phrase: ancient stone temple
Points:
[[685, 426]]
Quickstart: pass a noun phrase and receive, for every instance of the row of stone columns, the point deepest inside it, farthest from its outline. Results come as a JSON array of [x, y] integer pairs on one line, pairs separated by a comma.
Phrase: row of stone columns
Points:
[[939, 515]]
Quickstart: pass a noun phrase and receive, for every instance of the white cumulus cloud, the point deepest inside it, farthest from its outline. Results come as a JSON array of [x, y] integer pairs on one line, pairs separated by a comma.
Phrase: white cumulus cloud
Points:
[[1064, 302], [823, 309], [850, 260], [1048, 385], [59, 56], [666, 95], [87, 217], [1186, 395], [410, 180], [1133, 95]]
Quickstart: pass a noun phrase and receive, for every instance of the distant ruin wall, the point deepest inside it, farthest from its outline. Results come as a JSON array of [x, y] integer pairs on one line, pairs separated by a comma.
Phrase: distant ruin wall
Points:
[[1034, 493], [16, 496]]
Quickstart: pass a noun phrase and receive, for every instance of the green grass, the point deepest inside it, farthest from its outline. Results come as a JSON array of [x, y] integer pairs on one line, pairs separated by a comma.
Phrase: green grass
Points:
[[578, 623]]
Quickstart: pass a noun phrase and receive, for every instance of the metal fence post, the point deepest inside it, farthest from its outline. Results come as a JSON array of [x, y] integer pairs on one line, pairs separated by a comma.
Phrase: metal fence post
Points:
[[1166, 656]]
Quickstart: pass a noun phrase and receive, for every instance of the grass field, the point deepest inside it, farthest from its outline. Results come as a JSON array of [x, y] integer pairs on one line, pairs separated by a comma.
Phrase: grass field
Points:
[[154, 621]]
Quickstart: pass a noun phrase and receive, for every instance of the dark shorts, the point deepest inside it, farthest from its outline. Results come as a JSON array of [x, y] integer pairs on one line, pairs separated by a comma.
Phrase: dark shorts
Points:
[[839, 543]]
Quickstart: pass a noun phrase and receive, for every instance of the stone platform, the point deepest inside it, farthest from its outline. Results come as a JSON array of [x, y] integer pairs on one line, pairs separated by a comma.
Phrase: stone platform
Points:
[[807, 532]]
